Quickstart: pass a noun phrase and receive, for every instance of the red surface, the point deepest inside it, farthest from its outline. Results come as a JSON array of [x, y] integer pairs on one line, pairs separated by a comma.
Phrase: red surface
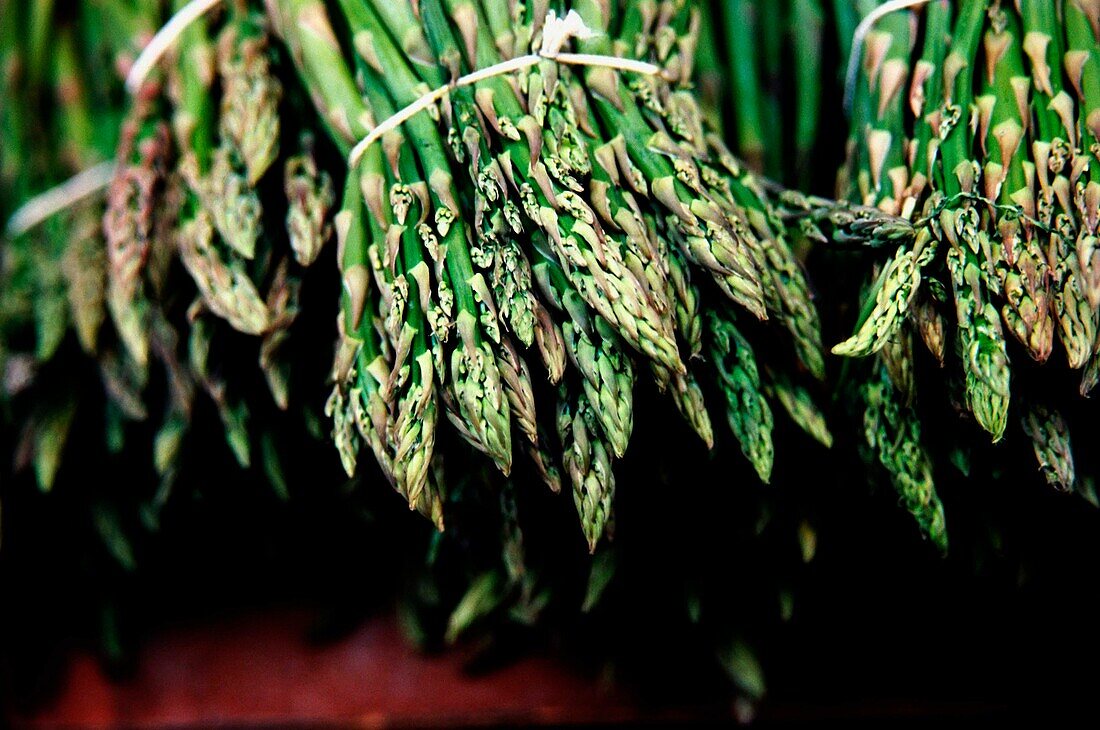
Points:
[[260, 670]]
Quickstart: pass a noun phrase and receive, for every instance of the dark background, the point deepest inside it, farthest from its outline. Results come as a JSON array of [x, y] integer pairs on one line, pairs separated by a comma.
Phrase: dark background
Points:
[[881, 625]]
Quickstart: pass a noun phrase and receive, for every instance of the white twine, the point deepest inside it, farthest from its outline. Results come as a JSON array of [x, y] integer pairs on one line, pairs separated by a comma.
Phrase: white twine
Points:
[[57, 199], [556, 31], [860, 35], [164, 39], [91, 181]]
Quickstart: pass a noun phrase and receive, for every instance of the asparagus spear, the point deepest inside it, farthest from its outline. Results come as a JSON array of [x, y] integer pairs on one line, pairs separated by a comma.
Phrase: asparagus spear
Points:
[[479, 397]]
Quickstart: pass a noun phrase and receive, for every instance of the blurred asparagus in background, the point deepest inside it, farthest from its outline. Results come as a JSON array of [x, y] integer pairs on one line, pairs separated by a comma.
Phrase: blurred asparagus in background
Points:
[[105, 342], [763, 67]]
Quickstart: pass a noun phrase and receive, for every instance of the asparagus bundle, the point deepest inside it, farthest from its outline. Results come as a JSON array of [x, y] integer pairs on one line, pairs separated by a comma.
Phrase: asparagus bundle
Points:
[[974, 121], [104, 340], [570, 221], [54, 277]]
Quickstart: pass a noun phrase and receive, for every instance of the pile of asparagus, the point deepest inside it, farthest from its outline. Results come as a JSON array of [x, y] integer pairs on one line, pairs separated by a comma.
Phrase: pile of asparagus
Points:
[[493, 279], [571, 225], [978, 123]]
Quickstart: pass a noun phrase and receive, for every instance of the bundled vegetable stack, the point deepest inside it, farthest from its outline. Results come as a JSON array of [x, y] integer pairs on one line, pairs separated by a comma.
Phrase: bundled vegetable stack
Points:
[[575, 224], [60, 83], [977, 122], [112, 352]]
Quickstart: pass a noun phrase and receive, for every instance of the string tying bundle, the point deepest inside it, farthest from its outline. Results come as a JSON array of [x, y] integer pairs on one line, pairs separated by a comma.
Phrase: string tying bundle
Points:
[[556, 33]]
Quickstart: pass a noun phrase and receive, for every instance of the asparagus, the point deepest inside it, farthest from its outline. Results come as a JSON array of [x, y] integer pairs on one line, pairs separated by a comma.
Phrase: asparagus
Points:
[[750, 416], [996, 178], [893, 436]]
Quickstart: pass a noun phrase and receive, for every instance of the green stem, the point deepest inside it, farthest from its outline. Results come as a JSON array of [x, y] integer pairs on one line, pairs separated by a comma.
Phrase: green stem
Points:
[[937, 25], [195, 110], [807, 23], [320, 62], [963, 55], [740, 19], [402, 84]]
